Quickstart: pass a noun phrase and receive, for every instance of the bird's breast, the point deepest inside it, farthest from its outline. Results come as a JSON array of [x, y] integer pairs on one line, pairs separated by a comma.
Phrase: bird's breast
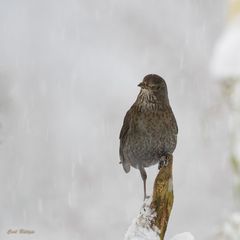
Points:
[[152, 135]]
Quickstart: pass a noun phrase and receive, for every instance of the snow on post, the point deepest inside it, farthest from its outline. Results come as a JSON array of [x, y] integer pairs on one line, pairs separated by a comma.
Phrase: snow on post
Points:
[[152, 221]]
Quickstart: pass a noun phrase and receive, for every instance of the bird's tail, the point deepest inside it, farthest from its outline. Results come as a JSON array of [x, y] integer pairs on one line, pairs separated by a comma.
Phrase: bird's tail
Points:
[[126, 167]]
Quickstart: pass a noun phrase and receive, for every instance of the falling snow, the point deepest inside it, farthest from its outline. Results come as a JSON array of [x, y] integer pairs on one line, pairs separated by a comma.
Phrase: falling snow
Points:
[[68, 72]]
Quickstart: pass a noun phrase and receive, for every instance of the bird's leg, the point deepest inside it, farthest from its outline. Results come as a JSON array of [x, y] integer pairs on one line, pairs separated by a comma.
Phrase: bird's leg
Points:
[[144, 178], [164, 159]]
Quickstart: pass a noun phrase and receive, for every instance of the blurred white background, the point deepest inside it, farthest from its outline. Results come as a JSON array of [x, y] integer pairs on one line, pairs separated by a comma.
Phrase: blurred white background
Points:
[[68, 73]]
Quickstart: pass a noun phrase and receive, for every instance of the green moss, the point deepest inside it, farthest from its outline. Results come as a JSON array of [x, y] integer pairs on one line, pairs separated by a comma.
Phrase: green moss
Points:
[[235, 164]]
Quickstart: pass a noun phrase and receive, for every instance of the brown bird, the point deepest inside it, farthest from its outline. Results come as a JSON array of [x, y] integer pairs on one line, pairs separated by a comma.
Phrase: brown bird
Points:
[[149, 132]]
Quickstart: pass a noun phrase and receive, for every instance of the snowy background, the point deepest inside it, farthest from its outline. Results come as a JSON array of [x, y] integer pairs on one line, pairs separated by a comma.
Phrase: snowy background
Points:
[[69, 71]]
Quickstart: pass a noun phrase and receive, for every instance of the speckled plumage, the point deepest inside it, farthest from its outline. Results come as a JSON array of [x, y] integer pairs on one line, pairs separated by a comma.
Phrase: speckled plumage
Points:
[[149, 130]]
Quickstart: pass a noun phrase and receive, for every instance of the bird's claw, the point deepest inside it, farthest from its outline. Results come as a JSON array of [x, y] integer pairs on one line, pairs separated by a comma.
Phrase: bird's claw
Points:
[[146, 197], [163, 162]]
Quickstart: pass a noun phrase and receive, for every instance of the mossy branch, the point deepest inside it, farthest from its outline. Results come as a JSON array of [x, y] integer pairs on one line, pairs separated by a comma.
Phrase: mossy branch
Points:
[[162, 199]]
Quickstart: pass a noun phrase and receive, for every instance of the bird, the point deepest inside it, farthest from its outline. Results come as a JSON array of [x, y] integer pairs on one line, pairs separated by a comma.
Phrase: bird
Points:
[[149, 132]]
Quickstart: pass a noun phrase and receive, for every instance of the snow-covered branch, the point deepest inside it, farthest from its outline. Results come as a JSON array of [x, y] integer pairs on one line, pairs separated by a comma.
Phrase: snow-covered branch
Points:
[[142, 229], [152, 220]]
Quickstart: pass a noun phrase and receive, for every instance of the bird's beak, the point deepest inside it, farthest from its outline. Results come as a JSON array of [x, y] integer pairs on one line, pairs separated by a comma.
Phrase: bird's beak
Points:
[[141, 84]]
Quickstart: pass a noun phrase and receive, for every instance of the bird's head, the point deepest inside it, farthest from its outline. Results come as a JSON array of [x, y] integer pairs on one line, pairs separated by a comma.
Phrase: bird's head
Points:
[[154, 83]]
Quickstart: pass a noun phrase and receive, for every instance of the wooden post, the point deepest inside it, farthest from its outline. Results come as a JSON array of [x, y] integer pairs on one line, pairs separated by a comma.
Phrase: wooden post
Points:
[[162, 199]]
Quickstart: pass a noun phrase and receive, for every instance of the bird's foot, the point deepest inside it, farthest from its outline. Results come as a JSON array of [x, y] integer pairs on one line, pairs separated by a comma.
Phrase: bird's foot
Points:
[[163, 162], [146, 197]]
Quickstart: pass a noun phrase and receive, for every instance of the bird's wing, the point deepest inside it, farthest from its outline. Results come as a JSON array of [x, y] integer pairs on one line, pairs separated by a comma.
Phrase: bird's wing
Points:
[[125, 126], [123, 137], [174, 123]]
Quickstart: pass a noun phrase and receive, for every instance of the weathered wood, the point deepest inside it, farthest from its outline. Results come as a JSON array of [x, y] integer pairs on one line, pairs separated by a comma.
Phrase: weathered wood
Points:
[[162, 199]]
